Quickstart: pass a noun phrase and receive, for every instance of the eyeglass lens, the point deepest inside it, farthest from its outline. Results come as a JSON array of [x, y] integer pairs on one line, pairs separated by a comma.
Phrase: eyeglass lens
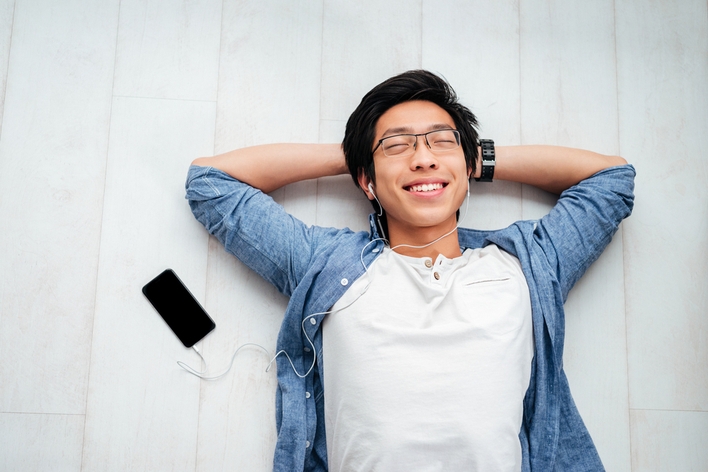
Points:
[[438, 141]]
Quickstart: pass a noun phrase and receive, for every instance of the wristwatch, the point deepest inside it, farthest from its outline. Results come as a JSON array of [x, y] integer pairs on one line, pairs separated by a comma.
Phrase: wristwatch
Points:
[[488, 160]]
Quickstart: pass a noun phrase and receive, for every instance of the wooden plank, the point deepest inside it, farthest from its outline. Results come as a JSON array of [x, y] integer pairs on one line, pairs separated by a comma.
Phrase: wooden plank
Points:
[[662, 50], [52, 167], [669, 440], [168, 49], [269, 91], [569, 98], [143, 409], [40, 441], [7, 13]]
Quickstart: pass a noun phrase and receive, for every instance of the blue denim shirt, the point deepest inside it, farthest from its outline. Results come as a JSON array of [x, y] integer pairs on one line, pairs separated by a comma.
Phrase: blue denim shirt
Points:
[[314, 267]]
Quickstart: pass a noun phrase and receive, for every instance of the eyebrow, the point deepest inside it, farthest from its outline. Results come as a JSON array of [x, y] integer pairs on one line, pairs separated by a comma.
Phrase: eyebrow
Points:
[[409, 130]]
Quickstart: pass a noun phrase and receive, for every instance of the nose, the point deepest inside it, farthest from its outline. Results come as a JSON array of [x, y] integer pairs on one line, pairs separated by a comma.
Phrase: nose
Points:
[[423, 157]]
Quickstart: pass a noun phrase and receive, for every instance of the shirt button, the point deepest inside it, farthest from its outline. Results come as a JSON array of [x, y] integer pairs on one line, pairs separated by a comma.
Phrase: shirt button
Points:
[[344, 282], [307, 349], [428, 263], [307, 395], [437, 276], [307, 444], [313, 321]]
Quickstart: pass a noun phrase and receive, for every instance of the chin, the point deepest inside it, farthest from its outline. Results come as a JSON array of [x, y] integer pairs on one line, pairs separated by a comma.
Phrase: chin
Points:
[[431, 221]]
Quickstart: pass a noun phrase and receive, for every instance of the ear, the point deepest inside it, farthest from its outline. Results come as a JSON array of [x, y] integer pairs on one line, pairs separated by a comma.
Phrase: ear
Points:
[[364, 182]]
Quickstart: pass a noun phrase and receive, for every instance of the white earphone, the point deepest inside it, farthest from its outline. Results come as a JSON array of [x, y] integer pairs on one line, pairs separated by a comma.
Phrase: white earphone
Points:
[[371, 189], [203, 375]]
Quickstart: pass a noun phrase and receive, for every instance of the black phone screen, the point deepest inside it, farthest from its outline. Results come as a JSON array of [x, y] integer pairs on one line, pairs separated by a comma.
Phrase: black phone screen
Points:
[[178, 308]]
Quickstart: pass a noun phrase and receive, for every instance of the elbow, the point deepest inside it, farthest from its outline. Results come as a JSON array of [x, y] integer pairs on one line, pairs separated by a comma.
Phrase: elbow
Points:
[[617, 161], [200, 161]]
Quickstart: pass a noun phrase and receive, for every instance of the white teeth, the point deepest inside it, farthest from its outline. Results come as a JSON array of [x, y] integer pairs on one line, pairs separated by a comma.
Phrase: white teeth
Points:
[[426, 187]]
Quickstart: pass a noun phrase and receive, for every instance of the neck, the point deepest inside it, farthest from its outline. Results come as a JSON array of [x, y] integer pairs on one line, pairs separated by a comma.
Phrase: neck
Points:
[[416, 242]]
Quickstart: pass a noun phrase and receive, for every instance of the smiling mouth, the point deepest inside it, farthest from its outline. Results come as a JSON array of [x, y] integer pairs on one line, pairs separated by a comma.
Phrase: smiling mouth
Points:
[[426, 187]]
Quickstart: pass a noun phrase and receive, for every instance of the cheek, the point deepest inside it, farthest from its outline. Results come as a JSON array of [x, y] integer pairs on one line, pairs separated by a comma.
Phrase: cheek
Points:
[[386, 178]]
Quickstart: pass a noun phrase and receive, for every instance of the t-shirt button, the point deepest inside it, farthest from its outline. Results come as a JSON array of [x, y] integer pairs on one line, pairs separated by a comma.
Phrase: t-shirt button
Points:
[[344, 282], [428, 263], [307, 444], [437, 276], [307, 395], [313, 321]]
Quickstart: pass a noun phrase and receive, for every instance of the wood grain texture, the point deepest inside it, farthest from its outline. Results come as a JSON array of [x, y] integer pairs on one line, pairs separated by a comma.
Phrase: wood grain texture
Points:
[[669, 440], [52, 172], [269, 91], [88, 378], [569, 98], [143, 410], [663, 103], [168, 49], [365, 43], [7, 14], [40, 441]]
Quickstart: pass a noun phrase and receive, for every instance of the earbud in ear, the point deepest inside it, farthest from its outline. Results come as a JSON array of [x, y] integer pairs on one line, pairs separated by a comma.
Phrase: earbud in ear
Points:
[[371, 189]]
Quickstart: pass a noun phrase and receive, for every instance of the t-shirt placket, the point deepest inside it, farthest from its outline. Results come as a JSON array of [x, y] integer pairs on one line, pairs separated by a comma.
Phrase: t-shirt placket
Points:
[[437, 271]]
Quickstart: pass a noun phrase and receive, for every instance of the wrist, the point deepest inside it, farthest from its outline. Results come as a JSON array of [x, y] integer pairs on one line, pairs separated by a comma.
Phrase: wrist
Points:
[[337, 163]]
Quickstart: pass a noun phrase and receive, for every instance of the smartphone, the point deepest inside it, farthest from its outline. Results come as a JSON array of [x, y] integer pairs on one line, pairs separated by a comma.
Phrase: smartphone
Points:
[[180, 310]]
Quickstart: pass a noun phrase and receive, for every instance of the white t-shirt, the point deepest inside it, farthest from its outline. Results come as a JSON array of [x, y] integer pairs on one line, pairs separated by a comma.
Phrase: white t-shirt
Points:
[[428, 368]]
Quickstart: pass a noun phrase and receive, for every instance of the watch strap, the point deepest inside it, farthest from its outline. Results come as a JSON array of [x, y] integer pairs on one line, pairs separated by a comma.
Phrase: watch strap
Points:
[[488, 160]]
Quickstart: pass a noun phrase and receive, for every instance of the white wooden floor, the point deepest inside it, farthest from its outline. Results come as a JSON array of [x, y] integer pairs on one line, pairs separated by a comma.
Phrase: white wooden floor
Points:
[[105, 103]]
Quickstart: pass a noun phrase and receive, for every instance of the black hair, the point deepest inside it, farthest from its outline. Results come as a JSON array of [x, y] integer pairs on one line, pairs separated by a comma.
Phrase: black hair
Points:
[[412, 85]]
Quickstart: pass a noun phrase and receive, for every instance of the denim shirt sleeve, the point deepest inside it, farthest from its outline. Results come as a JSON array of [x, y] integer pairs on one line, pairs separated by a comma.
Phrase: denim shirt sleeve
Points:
[[253, 227], [582, 223]]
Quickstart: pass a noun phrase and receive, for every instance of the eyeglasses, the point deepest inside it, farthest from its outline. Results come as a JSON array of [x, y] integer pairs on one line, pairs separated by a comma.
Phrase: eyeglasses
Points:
[[402, 145]]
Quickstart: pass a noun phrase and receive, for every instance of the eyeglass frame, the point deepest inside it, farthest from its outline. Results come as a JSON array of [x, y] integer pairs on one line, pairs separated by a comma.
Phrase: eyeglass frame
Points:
[[458, 139]]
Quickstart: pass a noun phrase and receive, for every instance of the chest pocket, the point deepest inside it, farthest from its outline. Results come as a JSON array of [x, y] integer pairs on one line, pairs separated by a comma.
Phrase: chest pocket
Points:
[[495, 306]]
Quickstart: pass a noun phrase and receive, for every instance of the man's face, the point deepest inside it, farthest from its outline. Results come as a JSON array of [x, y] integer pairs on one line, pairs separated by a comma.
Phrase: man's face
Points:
[[423, 190]]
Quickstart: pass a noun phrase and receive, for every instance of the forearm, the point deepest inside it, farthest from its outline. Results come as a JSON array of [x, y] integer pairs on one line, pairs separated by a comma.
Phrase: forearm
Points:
[[551, 168], [271, 166]]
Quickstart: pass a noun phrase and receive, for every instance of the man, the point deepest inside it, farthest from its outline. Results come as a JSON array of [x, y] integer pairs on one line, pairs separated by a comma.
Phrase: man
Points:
[[438, 347]]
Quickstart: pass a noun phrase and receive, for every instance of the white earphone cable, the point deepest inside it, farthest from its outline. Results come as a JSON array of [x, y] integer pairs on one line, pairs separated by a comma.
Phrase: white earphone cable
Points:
[[202, 374], [467, 204]]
